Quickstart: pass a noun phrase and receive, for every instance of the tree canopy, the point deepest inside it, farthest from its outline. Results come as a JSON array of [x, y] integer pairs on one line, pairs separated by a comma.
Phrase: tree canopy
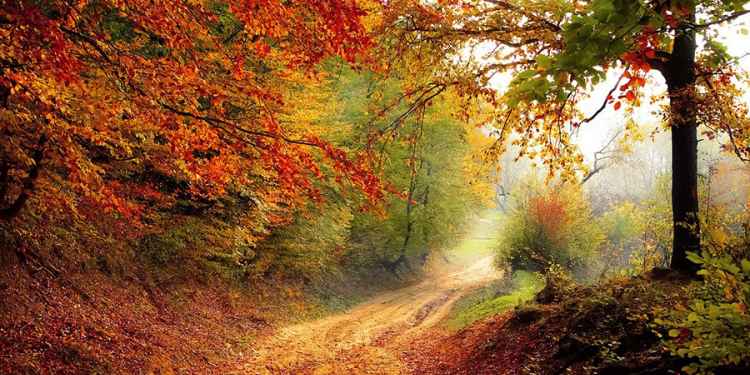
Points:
[[123, 106]]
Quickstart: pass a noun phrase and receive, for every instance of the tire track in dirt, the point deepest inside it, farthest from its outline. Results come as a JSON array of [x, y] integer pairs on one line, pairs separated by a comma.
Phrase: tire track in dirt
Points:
[[370, 337]]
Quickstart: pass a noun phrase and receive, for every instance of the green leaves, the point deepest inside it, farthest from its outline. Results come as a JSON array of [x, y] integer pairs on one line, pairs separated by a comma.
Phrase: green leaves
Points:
[[603, 33], [544, 62], [603, 10], [694, 257], [592, 39], [715, 54], [713, 330], [530, 86]]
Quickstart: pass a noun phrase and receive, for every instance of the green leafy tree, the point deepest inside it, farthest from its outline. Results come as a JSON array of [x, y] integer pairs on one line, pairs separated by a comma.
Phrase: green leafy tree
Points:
[[427, 159]]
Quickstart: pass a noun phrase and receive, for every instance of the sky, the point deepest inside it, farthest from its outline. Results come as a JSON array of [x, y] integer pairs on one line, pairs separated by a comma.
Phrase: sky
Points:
[[593, 135]]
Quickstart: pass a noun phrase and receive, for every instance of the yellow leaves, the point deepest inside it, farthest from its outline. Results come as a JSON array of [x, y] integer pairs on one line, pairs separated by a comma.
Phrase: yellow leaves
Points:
[[478, 166]]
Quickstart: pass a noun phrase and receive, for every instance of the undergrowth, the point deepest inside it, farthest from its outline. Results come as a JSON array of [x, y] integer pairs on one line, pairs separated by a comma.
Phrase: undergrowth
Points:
[[496, 298]]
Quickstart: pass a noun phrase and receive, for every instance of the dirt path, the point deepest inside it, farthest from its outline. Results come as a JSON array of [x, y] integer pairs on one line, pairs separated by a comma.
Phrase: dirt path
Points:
[[369, 338]]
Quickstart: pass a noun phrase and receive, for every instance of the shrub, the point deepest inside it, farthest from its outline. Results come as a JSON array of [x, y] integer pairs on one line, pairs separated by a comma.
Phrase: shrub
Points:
[[549, 226], [495, 299], [714, 330], [160, 250]]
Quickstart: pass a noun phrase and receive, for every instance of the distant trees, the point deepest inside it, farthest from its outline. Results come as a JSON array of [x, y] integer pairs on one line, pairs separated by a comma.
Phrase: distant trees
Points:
[[428, 161], [432, 158], [556, 52]]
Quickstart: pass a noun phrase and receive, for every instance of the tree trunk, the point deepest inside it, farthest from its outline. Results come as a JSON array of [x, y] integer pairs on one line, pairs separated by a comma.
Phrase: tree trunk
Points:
[[27, 185], [680, 76]]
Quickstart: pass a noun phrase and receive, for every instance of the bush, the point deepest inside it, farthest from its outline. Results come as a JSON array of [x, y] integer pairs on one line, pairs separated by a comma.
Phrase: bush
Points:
[[550, 226], [495, 299], [714, 330], [160, 250], [557, 284]]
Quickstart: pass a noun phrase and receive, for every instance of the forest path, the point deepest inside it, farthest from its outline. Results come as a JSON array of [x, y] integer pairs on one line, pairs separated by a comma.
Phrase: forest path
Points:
[[369, 338]]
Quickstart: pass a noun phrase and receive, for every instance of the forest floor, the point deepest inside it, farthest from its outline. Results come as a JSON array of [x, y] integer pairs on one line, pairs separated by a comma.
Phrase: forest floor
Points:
[[373, 337], [110, 314], [100, 322]]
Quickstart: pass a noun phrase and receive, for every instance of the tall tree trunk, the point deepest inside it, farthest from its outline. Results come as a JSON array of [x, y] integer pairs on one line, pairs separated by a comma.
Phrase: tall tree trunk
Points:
[[413, 171], [409, 201], [680, 76]]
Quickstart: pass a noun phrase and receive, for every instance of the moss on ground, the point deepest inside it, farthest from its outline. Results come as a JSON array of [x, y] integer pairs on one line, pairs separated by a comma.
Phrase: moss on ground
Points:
[[494, 299]]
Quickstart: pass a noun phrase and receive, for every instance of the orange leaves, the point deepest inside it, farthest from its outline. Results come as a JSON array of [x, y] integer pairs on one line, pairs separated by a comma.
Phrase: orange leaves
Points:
[[38, 40], [342, 19], [188, 91], [550, 212], [644, 52], [262, 49], [635, 80], [636, 61], [312, 29]]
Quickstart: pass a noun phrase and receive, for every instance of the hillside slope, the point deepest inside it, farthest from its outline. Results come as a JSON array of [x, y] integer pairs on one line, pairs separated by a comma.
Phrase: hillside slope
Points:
[[588, 330]]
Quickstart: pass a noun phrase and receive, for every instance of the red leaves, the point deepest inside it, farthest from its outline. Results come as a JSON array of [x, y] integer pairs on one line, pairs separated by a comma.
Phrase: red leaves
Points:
[[162, 90], [644, 53], [314, 29], [40, 41], [262, 49], [550, 213], [343, 22], [635, 80]]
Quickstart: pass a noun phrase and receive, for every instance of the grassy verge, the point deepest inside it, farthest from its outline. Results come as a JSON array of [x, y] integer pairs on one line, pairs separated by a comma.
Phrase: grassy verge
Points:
[[480, 242], [494, 299]]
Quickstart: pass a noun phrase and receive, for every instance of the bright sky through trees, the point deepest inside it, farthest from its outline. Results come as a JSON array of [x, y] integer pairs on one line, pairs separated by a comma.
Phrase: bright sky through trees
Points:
[[593, 135]]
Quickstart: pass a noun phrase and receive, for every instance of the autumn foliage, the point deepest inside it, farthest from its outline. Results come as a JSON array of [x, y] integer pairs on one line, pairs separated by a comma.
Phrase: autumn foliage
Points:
[[174, 174], [549, 213], [549, 227], [118, 107]]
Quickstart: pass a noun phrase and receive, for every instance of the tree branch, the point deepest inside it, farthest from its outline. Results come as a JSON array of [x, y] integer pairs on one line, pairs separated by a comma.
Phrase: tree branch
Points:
[[600, 155], [726, 18], [606, 100], [12, 211], [529, 15], [217, 121]]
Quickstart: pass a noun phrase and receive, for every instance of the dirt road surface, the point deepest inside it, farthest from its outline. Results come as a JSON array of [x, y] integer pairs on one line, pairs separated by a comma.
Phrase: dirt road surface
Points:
[[369, 338]]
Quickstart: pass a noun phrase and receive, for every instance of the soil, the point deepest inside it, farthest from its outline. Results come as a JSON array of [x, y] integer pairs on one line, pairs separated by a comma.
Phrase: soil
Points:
[[374, 337]]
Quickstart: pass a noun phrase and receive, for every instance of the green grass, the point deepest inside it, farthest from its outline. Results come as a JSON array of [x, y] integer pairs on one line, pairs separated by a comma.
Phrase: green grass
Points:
[[494, 299]]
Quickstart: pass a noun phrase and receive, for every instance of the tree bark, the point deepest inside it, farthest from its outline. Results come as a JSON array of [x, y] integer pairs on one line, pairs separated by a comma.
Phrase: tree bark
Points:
[[12, 210], [680, 77]]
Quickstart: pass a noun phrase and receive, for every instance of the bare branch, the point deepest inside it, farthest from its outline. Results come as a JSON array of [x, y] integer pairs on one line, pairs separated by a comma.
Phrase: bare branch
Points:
[[606, 100], [604, 153], [726, 18]]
